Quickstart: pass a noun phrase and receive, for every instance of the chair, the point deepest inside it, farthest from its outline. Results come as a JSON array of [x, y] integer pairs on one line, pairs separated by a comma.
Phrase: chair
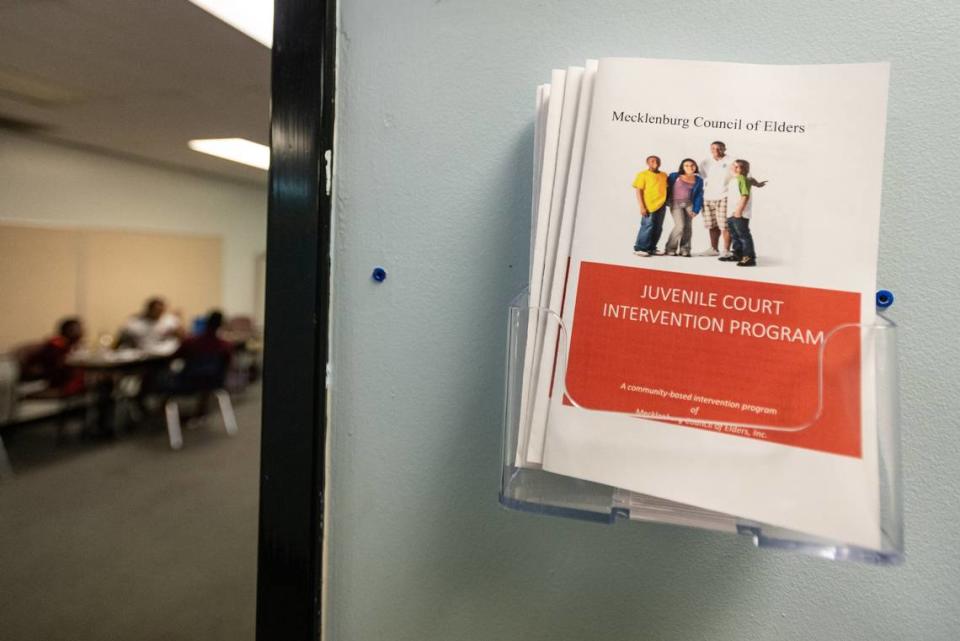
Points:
[[29, 368], [201, 375], [240, 327], [9, 374], [243, 370], [28, 398]]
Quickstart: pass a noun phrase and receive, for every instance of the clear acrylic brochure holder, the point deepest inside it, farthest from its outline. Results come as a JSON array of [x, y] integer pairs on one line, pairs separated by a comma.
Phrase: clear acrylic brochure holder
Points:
[[530, 489]]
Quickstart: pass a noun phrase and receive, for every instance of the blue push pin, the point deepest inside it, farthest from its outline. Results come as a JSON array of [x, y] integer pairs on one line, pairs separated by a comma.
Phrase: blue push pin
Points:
[[379, 274], [884, 298]]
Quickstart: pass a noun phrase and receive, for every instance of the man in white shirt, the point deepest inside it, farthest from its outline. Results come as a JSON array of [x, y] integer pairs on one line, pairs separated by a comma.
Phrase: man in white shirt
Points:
[[152, 330], [715, 172]]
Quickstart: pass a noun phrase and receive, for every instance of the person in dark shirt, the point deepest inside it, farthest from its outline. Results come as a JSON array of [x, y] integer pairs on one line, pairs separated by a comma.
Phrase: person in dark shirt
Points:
[[49, 362], [207, 345], [205, 358]]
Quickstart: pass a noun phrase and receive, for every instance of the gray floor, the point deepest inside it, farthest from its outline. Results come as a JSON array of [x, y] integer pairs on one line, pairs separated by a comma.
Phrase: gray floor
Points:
[[130, 540]]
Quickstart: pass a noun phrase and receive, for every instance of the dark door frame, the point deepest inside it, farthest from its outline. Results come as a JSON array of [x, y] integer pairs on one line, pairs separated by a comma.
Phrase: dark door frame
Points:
[[290, 556]]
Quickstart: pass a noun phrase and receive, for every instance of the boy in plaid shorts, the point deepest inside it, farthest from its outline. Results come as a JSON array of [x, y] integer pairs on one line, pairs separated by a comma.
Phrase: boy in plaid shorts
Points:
[[715, 172]]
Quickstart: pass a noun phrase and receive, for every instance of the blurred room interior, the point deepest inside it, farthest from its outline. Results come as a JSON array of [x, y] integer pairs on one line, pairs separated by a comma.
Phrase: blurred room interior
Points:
[[131, 309]]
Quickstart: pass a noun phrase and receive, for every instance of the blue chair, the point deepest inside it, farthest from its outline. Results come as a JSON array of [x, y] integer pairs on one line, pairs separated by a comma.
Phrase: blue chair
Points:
[[200, 376]]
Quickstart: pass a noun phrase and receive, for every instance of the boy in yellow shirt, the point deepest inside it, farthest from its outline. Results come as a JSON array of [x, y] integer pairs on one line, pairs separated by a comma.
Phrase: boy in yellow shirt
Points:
[[651, 188]]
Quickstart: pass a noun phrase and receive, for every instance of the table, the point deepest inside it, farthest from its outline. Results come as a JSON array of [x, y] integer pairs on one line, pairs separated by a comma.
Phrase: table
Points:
[[107, 367], [116, 359]]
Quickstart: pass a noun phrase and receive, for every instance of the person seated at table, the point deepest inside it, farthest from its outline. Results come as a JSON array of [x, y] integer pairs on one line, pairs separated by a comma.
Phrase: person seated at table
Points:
[[204, 359], [49, 362], [152, 330], [206, 345]]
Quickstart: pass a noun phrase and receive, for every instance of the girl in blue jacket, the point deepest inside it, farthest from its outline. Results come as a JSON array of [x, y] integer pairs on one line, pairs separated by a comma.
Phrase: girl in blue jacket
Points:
[[685, 198]]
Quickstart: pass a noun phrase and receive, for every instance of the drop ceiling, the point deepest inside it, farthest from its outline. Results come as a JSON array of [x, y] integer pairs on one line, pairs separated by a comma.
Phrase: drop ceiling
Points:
[[138, 78]]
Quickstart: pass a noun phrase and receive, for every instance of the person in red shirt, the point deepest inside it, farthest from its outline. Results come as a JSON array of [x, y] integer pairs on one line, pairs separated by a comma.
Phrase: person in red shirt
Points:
[[49, 362], [206, 346], [205, 359]]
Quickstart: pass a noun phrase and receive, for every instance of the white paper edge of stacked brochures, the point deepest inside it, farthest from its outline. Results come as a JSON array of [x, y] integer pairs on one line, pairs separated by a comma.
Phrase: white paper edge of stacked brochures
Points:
[[539, 321], [554, 302], [548, 170]]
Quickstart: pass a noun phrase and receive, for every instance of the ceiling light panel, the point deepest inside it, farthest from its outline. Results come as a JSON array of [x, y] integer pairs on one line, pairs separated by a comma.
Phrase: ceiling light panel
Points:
[[238, 150]]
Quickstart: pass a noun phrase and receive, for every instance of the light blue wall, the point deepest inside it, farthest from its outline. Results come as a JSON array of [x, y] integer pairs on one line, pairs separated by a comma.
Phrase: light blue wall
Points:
[[434, 156]]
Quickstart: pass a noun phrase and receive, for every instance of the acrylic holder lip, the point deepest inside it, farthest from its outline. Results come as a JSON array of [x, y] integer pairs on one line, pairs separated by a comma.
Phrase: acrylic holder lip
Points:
[[527, 488]]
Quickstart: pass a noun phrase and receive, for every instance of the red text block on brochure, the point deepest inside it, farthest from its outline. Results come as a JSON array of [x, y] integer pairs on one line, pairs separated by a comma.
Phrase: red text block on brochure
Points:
[[659, 343]]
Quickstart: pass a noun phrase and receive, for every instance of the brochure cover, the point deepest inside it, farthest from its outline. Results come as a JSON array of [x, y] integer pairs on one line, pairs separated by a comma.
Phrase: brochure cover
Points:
[[723, 257]]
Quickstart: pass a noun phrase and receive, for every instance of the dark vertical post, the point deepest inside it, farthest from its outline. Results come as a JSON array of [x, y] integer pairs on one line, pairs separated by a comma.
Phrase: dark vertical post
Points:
[[297, 309]]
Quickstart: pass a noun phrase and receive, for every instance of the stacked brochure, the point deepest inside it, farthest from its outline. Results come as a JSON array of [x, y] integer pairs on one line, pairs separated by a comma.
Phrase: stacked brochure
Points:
[[703, 265]]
